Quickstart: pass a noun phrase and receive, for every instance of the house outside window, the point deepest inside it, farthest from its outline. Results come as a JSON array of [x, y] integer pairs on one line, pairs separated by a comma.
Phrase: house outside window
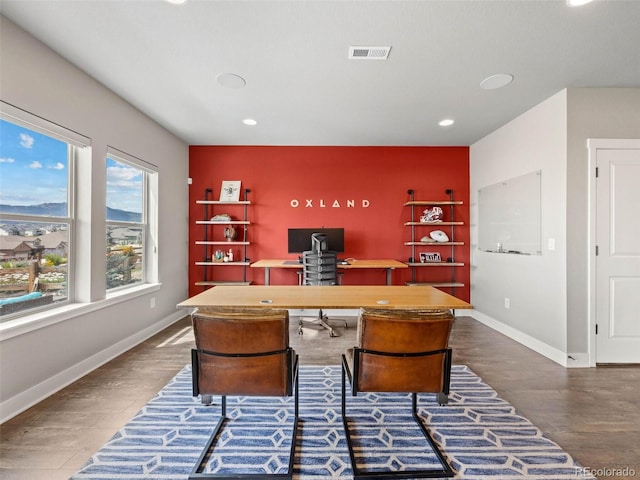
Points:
[[36, 215]]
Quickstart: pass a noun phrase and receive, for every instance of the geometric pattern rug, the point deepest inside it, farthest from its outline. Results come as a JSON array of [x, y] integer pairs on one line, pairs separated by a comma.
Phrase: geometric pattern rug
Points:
[[481, 435]]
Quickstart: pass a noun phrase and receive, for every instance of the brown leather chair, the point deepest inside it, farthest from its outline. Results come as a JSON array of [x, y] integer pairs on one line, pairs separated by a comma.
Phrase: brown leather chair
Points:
[[242, 351], [400, 351]]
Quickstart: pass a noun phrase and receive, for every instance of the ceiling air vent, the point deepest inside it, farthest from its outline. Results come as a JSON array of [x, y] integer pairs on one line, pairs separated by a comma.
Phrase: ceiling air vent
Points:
[[369, 53]]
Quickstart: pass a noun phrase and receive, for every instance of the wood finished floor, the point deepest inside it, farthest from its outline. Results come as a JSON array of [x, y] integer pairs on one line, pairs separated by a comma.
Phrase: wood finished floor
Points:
[[592, 413]]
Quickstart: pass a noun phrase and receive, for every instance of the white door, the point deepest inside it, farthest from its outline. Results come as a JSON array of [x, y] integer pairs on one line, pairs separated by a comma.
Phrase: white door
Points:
[[618, 251]]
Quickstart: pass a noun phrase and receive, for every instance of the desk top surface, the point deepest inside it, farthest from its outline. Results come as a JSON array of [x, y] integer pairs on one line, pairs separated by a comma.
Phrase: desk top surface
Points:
[[352, 263], [346, 296]]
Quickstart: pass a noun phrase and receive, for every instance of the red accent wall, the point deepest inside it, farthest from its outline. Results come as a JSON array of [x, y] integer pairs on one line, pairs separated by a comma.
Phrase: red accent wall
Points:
[[329, 177]]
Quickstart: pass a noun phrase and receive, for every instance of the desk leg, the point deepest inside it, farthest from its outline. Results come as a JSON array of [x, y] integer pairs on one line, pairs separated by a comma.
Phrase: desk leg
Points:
[[266, 275], [389, 276]]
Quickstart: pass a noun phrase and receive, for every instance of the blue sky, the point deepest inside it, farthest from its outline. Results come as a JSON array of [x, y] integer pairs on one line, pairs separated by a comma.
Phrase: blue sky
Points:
[[124, 186], [29, 158], [33, 159]]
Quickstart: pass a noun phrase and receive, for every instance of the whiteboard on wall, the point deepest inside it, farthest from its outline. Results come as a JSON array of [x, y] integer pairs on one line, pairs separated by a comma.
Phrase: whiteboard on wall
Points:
[[510, 215]]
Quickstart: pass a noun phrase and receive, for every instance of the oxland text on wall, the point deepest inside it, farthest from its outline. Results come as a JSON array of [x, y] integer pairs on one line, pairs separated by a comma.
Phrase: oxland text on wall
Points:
[[321, 203]]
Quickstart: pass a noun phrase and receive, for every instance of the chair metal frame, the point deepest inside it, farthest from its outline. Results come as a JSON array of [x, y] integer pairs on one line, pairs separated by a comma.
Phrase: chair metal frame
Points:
[[444, 470], [292, 389], [322, 320]]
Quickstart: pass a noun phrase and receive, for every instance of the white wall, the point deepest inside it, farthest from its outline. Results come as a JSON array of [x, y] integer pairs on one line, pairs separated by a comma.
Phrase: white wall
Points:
[[535, 284], [34, 364], [550, 309]]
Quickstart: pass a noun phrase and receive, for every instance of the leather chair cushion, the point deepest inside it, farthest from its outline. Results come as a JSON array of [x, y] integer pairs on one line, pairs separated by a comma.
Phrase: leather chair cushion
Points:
[[398, 331], [236, 330], [242, 331]]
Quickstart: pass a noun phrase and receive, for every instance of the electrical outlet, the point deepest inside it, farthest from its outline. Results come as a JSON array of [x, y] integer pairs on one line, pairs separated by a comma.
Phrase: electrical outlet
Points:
[[152, 303], [507, 302]]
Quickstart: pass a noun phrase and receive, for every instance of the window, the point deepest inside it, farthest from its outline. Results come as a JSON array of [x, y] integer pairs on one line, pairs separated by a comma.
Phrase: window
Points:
[[128, 234], [36, 215], [48, 249]]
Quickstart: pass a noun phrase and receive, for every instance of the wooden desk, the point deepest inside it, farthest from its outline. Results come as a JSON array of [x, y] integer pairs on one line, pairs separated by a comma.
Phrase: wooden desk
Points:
[[347, 296], [387, 264]]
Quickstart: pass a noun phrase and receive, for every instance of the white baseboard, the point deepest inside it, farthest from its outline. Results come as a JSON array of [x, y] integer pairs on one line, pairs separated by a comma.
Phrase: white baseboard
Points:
[[528, 341], [26, 399]]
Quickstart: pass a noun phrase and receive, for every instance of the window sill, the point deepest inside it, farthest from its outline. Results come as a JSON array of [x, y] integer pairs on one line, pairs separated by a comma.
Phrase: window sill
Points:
[[29, 323]]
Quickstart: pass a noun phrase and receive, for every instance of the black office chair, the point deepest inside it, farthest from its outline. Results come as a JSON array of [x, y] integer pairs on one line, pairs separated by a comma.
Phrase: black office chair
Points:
[[319, 267]]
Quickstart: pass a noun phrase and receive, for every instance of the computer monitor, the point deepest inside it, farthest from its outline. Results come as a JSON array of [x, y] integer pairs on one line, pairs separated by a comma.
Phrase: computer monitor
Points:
[[299, 239]]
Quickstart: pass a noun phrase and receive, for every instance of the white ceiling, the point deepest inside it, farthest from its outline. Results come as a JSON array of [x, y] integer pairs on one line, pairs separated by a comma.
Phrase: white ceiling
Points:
[[301, 87]]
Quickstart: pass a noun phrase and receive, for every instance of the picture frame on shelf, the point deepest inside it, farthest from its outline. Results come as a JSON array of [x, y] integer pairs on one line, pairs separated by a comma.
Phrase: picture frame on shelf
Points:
[[428, 257], [230, 191]]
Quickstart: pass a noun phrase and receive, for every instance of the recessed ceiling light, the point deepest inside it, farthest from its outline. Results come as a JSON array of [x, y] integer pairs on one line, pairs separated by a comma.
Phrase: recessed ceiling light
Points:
[[249, 121], [177, 2], [446, 122], [577, 3], [231, 80], [496, 81]]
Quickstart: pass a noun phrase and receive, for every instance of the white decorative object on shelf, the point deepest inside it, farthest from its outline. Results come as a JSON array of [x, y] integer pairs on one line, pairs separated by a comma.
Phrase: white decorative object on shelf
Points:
[[230, 191], [427, 239], [439, 236], [432, 214], [221, 217]]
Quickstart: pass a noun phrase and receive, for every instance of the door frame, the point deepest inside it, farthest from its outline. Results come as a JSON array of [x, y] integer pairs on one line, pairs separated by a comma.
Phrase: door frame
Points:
[[593, 145]]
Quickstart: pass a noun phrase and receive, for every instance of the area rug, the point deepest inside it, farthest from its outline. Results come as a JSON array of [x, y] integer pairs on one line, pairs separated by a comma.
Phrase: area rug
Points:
[[481, 435]]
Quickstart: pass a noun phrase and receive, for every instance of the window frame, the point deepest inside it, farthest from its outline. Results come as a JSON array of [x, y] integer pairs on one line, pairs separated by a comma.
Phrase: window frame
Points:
[[149, 227], [75, 142]]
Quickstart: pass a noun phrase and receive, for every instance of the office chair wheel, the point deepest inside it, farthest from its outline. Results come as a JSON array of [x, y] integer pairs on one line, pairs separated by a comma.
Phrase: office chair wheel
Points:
[[332, 333], [300, 332]]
